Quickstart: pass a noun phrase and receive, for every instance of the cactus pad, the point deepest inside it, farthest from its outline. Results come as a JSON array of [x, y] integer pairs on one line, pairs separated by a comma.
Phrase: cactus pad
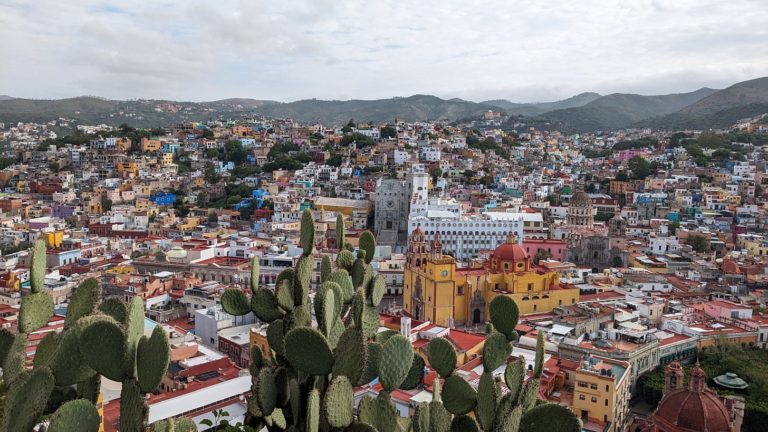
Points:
[[338, 402], [420, 421], [313, 411], [378, 412], [396, 359], [530, 394], [488, 395], [266, 391], [415, 374], [235, 302], [538, 366], [255, 273], [345, 259], [302, 279], [134, 331], [495, 351], [350, 355], [103, 347], [442, 356], [383, 336], [27, 399], [285, 296], [368, 244], [379, 289], [264, 304], [115, 308], [36, 310], [358, 273], [133, 408], [370, 320], [68, 364], [276, 336], [514, 377], [307, 240], [340, 231], [439, 417], [308, 351], [77, 415], [504, 314], [84, 301], [46, 349], [152, 358], [287, 274], [341, 277], [458, 396], [37, 267], [13, 366], [325, 268], [550, 417], [6, 341], [372, 359], [90, 388], [464, 423]]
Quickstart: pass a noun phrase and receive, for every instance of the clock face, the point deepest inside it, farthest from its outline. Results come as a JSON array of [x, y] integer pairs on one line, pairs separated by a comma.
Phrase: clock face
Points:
[[444, 273]]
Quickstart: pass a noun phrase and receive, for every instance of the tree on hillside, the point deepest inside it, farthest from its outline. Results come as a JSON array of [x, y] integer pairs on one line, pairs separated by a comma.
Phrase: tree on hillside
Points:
[[640, 167], [698, 242], [435, 173], [349, 127], [388, 132]]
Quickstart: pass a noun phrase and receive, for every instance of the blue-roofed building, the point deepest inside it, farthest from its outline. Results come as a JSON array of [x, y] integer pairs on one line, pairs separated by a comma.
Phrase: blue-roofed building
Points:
[[163, 199]]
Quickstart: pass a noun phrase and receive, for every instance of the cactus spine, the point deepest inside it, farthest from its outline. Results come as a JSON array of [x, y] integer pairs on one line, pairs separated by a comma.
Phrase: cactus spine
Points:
[[306, 384]]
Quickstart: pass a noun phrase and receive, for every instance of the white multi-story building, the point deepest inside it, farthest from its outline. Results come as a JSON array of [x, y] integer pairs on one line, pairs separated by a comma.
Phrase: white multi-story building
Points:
[[461, 235], [429, 154]]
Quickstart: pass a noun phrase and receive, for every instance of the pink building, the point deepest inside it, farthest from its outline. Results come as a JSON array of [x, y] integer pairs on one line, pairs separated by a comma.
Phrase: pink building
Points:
[[555, 248], [625, 155], [727, 309]]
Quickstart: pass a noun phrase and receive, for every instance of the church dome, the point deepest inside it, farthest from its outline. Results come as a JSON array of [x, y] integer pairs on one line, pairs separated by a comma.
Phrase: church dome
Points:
[[510, 256], [695, 408], [510, 252], [580, 199]]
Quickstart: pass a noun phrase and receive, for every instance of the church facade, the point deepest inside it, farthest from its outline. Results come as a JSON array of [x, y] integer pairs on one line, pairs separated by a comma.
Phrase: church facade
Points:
[[437, 290], [592, 244]]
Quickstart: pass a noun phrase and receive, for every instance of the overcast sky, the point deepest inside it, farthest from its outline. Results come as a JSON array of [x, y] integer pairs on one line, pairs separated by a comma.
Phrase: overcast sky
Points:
[[535, 50]]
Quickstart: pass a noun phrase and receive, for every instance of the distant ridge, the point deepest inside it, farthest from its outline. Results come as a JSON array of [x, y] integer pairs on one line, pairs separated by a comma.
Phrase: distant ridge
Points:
[[718, 110], [533, 109], [585, 112], [620, 110], [5, 97]]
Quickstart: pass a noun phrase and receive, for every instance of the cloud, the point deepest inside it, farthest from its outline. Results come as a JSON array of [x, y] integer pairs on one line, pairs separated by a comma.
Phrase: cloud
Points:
[[520, 50]]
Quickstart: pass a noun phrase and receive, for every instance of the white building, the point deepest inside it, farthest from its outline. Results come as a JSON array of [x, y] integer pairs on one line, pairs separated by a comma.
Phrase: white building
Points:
[[429, 154]]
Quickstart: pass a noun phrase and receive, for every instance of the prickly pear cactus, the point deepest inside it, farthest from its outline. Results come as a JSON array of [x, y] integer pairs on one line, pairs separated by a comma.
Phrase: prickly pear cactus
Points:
[[97, 339], [306, 380]]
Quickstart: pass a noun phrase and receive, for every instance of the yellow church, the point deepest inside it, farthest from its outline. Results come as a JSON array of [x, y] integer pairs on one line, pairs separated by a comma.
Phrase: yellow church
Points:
[[437, 290]]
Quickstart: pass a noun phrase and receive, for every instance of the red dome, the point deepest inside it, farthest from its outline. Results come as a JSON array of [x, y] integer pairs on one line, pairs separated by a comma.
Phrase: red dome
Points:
[[684, 410], [510, 252]]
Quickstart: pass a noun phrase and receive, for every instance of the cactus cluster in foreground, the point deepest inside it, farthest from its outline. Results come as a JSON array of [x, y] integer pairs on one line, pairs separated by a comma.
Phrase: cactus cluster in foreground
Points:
[[306, 383], [98, 339]]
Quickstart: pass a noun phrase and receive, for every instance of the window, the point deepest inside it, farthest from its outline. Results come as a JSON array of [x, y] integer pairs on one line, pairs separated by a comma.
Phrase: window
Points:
[[530, 287], [593, 386], [594, 399], [581, 397], [606, 388], [583, 384], [606, 402]]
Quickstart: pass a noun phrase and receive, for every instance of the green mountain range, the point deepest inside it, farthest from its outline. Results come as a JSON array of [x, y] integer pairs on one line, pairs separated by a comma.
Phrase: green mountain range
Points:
[[534, 109], [586, 112], [620, 110]]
